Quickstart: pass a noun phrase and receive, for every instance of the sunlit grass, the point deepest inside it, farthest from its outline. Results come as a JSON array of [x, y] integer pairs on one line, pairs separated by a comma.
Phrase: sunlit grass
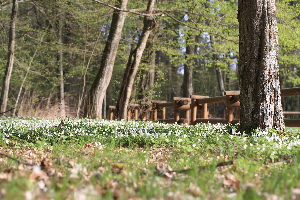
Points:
[[92, 159]]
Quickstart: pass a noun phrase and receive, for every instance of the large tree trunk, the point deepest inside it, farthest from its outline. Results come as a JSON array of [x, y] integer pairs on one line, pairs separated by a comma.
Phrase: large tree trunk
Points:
[[258, 66], [11, 55], [133, 64], [187, 85], [94, 103]]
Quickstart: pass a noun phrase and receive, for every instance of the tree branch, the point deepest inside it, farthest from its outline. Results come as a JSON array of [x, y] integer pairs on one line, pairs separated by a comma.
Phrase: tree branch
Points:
[[133, 11], [165, 12], [196, 28], [17, 160]]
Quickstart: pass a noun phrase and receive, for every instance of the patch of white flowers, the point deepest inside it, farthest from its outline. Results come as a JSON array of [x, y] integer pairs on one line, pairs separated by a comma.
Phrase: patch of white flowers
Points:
[[99, 130]]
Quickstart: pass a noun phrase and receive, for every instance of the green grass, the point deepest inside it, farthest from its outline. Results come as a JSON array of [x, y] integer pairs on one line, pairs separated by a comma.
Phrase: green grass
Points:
[[91, 159]]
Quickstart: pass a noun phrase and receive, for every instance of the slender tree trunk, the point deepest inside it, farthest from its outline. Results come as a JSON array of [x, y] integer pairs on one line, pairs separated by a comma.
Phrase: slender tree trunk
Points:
[[22, 84], [258, 66], [20, 111], [133, 64], [220, 80], [146, 84], [62, 106], [104, 107], [85, 69], [93, 107], [187, 85], [48, 105], [11, 55], [25, 77], [217, 67]]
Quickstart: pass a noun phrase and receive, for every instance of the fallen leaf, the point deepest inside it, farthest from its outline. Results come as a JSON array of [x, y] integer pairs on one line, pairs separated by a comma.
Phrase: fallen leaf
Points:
[[38, 174], [231, 182], [47, 166], [194, 190], [163, 169]]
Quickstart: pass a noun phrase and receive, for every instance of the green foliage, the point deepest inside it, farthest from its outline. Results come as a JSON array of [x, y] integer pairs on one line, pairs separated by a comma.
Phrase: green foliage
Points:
[[289, 34], [86, 26]]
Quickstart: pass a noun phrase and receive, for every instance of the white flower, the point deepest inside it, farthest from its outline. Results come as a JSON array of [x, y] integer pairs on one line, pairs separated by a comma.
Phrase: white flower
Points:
[[180, 140]]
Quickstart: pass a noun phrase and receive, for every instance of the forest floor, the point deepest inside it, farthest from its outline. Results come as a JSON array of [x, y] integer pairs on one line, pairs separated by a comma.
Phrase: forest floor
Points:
[[89, 159]]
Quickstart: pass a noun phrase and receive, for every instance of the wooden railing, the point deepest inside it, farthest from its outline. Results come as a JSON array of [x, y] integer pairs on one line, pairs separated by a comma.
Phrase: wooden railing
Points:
[[156, 110]]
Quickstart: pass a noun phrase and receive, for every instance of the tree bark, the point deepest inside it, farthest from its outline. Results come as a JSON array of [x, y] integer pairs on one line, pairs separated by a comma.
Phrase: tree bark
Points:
[[215, 58], [133, 64], [11, 55], [258, 66], [94, 103], [146, 84], [62, 106], [220, 80], [187, 85]]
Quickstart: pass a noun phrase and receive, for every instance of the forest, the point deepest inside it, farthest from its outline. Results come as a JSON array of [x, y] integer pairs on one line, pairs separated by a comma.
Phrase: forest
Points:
[[65, 62], [191, 48]]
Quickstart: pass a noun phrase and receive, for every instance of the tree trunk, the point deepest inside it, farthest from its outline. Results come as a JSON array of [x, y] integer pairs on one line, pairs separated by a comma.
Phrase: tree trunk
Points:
[[215, 57], [85, 69], [94, 103], [10, 62], [187, 85], [22, 84], [220, 80], [19, 112], [146, 84], [133, 64], [258, 66], [62, 109]]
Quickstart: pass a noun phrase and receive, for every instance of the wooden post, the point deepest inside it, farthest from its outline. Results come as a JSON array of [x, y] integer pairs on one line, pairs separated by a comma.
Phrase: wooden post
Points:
[[231, 101], [161, 108], [188, 116], [229, 110], [111, 112], [146, 111], [194, 109], [204, 111], [154, 112], [136, 113], [128, 113], [182, 104], [176, 111], [163, 113], [195, 106]]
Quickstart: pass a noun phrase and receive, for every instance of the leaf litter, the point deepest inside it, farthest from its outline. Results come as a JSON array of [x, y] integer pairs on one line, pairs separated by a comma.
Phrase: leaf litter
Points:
[[154, 172]]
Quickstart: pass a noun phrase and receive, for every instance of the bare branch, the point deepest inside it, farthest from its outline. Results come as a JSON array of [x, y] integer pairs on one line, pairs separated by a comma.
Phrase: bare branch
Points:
[[165, 12], [17, 160], [133, 11]]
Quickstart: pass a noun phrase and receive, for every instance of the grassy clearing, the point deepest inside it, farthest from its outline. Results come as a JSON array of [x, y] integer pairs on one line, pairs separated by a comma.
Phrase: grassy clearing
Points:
[[90, 159]]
